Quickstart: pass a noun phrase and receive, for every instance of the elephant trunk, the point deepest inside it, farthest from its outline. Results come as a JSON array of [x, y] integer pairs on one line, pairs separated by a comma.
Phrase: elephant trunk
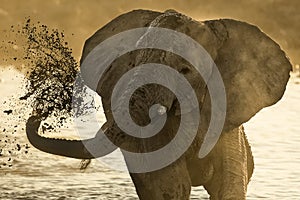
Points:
[[235, 165], [80, 149]]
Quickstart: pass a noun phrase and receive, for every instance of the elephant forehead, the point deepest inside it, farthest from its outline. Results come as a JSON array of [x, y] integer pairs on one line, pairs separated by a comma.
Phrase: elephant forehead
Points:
[[196, 30]]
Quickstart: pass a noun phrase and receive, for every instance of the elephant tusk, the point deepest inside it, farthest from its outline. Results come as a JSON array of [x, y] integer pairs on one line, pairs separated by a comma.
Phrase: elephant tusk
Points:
[[161, 110]]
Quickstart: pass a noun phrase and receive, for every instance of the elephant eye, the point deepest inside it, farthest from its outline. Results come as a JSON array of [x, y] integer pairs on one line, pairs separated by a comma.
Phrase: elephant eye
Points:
[[184, 70]]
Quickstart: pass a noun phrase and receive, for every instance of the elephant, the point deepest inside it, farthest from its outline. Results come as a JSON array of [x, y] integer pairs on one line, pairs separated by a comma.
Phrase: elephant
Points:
[[254, 71]]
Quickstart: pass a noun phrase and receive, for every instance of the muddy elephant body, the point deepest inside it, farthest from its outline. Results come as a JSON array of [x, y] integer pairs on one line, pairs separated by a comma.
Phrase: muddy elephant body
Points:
[[254, 70], [224, 173]]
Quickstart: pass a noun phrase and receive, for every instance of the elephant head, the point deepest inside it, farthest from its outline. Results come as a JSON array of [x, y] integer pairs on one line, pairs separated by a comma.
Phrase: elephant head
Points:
[[253, 68]]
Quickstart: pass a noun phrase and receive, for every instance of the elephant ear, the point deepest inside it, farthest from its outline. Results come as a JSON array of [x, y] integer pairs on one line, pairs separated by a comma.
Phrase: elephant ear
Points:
[[124, 22], [254, 69]]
